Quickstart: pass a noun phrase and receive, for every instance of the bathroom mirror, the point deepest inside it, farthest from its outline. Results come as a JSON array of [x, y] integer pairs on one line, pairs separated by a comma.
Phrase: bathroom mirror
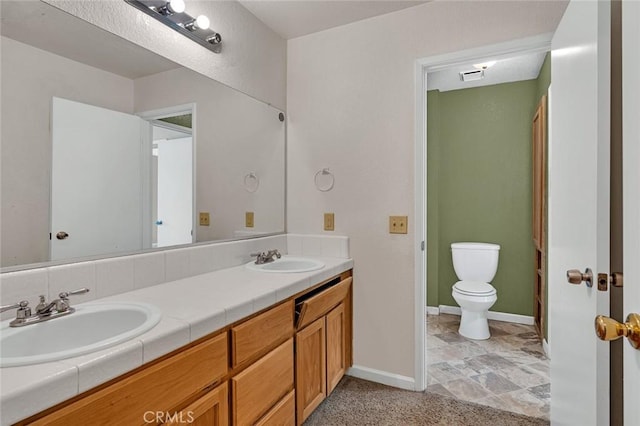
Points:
[[108, 148]]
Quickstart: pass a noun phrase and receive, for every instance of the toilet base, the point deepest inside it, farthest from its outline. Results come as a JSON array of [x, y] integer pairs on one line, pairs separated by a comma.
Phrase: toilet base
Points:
[[474, 325]]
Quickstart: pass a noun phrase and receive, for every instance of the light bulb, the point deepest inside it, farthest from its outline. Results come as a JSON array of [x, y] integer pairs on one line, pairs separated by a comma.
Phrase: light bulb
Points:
[[202, 22], [484, 65], [171, 7], [177, 6]]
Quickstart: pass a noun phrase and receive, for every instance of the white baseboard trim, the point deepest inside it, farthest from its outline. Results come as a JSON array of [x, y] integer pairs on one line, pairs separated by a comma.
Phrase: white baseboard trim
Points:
[[498, 316], [383, 377], [433, 310], [546, 348]]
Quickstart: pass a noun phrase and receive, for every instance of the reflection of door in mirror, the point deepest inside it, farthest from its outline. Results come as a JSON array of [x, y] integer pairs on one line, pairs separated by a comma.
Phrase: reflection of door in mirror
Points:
[[119, 183], [171, 180], [96, 181]]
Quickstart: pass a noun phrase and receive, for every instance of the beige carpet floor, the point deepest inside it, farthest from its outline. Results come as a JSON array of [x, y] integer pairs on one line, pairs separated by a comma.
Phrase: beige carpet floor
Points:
[[360, 402]]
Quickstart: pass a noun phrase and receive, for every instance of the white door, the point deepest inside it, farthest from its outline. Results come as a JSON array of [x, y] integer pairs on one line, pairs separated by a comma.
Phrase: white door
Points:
[[579, 212], [175, 191], [631, 197], [96, 180]]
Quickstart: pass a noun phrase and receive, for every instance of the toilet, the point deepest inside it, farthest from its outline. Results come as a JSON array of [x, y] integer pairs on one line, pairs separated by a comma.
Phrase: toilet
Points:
[[475, 265]]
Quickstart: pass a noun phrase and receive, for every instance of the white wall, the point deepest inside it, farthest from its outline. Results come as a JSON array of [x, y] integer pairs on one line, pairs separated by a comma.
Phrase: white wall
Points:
[[30, 78], [253, 58], [234, 135], [350, 100]]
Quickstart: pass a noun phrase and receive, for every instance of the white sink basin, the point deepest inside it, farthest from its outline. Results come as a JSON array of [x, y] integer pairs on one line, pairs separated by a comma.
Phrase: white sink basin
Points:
[[288, 264], [93, 326]]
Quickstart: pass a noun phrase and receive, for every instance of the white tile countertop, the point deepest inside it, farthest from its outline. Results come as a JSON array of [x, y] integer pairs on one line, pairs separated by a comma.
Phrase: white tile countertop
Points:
[[191, 308]]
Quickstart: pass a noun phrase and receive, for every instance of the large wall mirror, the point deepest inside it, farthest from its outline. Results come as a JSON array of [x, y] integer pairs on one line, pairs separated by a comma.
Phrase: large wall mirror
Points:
[[108, 148]]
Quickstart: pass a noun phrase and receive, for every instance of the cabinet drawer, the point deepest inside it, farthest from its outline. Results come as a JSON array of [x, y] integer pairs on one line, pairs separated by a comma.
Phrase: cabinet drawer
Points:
[[254, 336], [159, 387], [255, 390], [212, 409], [283, 414], [318, 305]]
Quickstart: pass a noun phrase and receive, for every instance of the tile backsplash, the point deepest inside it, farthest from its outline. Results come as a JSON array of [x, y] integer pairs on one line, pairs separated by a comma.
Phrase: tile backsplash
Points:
[[116, 275]]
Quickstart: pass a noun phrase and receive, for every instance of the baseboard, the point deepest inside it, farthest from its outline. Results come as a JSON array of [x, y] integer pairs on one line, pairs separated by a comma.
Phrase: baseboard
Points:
[[498, 316], [433, 310], [383, 377], [546, 348]]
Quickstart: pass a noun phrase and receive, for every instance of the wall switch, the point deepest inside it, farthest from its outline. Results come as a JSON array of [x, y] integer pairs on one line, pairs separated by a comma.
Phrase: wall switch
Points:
[[398, 224], [204, 218], [329, 222], [248, 219]]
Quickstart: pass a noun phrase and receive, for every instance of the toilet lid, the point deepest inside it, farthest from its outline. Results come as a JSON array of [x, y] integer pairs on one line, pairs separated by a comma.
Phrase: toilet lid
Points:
[[474, 288]]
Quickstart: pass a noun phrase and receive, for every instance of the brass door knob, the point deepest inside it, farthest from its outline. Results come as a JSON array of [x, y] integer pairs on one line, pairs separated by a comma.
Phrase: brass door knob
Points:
[[576, 277], [610, 329]]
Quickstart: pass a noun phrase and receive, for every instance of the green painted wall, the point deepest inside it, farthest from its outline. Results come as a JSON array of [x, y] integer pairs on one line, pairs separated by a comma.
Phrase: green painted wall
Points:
[[479, 186]]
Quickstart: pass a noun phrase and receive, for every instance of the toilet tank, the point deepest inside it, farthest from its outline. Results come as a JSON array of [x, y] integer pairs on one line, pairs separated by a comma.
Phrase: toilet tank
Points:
[[475, 261]]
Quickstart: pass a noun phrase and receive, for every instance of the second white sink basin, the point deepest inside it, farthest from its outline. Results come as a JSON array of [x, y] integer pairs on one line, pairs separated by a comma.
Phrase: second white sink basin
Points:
[[92, 327], [288, 264]]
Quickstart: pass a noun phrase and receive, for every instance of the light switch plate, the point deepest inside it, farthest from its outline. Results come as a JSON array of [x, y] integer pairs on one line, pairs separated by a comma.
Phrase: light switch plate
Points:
[[204, 218], [329, 222], [398, 224], [248, 219]]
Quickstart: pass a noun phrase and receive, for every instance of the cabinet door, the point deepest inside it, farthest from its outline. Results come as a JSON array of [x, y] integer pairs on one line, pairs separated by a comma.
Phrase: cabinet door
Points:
[[210, 410], [336, 346], [311, 385]]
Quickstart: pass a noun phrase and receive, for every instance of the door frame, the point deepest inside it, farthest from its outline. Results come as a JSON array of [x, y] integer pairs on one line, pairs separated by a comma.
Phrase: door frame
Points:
[[154, 115], [539, 43]]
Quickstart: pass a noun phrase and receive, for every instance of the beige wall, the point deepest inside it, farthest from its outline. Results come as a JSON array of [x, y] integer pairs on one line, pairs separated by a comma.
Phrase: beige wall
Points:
[[350, 99], [27, 88], [253, 58]]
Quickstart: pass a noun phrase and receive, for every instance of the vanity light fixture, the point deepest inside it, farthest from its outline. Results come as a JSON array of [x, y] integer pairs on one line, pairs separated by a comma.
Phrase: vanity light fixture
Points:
[[172, 14]]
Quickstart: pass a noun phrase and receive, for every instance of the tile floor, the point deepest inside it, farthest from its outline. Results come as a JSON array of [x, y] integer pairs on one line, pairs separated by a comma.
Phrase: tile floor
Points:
[[509, 371]]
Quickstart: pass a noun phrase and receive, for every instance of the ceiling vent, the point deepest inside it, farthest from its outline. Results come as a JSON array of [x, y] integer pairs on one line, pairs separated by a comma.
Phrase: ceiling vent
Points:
[[472, 75]]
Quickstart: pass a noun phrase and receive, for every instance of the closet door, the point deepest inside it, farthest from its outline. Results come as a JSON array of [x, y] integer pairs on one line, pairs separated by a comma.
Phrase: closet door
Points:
[[539, 131]]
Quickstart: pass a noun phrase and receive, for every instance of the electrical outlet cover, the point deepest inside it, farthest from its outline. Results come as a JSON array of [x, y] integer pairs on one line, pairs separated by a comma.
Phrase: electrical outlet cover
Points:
[[329, 222], [398, 224]]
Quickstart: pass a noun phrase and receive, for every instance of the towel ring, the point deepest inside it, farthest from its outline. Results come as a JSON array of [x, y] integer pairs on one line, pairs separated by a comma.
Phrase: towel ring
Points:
[[251, 182], [324, 180]]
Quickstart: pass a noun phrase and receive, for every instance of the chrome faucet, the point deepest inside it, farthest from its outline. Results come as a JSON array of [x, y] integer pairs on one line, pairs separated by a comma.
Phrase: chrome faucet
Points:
[[266, 257], [44, 311]]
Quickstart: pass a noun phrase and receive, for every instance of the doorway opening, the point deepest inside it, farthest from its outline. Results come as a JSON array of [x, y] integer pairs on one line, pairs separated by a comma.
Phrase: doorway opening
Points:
[[169, 152], [515, 330], [171, 183]]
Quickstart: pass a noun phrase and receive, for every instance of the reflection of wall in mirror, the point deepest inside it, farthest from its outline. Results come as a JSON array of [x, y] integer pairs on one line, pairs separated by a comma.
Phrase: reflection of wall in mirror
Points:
[[235, 134], [28, 88], [30, 78]]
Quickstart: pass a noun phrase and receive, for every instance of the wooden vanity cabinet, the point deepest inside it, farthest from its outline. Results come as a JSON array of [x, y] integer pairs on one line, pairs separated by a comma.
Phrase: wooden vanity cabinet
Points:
[[323, 346], [271, 369], [158, 388]]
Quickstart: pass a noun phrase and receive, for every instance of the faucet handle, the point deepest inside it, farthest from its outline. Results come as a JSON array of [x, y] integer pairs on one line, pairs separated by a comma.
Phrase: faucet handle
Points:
[[65, 294], [19, 305], [256, 254]]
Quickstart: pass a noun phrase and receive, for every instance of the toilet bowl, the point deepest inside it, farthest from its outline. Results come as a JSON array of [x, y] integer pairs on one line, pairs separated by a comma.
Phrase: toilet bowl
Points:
[[475, 265]]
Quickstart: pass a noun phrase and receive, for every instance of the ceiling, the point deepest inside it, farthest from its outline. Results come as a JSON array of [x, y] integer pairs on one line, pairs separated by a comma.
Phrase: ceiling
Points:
[[296, 18], [518, 68]]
